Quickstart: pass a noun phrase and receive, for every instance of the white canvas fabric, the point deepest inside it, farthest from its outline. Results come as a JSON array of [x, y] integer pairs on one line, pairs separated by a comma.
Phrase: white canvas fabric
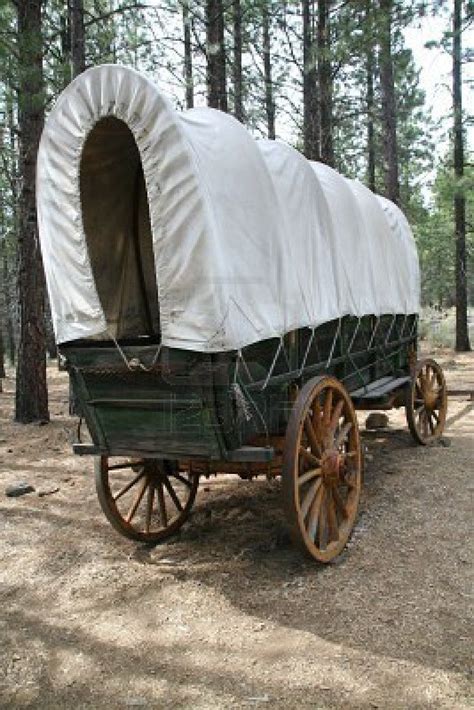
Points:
[[238, 240]]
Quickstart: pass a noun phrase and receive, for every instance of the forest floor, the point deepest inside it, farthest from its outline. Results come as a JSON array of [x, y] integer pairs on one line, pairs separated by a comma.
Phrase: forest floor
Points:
[[228, 614]]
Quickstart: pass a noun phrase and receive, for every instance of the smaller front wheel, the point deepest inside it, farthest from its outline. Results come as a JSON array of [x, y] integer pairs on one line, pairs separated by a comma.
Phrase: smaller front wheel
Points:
[[426, 403], [322, 468], [146, 500]]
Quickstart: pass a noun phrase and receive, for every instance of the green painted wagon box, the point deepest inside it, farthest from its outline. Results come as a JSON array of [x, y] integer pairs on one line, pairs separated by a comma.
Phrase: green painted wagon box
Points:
[[155, 411]]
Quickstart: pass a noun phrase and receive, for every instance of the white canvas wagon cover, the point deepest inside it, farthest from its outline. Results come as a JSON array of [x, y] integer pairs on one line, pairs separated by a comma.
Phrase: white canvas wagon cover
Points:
[[248, 239]]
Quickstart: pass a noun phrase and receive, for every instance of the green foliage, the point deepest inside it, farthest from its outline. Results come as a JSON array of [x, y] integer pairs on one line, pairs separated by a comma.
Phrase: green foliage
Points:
[[434, 233]]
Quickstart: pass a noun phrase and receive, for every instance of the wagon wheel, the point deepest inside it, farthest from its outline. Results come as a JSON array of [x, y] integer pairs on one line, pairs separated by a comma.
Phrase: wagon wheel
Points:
[[426, 402], [145, 500], [322, 468]]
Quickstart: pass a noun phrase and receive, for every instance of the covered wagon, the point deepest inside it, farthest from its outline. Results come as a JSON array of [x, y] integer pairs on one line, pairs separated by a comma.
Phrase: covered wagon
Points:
[[222, 305]]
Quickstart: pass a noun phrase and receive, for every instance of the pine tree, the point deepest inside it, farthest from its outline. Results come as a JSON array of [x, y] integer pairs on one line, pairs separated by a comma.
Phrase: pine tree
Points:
[[462, 332], [31, 392], [216, 55], [311, 117], [390, 146]]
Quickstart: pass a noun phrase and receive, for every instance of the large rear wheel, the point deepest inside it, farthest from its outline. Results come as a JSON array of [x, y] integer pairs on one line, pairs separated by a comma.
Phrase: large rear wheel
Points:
[[322, 468]]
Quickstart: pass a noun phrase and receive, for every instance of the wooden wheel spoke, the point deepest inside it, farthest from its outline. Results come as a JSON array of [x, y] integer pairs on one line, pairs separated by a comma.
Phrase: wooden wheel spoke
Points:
[[316, 406], [312, 437], [422, 380], [182, 479], [161, 503], [336, 415], [430, 422], [347, 479], [308, 475], [129, 485], [333, 528], [172, 493], [309, 497], [348, 455], [424, 420], [339, 502], [134, 507], [149, 505], [321, 536], [314, 513], [341, 436], [309, 457], [327, 407]]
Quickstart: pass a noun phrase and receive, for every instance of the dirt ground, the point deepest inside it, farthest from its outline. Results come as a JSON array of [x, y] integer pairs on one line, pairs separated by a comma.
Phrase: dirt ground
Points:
[[228, 614]]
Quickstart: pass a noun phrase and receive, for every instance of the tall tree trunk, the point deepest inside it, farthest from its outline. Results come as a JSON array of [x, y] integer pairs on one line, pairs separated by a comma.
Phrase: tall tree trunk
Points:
[[2, 359], [8, 263], [392, 186], [462, 331], [325, 82], [370, 122], [65, 35], [51, 348], [267, 72], [77, 44], [78, 38], [31, 391], [311, 122], [369, 96], [188, 56], [9, 327], [216, 59], [237, 61]]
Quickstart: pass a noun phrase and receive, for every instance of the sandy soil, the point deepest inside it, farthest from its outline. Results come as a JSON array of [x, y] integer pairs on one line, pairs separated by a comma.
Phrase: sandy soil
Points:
[[228, 614]]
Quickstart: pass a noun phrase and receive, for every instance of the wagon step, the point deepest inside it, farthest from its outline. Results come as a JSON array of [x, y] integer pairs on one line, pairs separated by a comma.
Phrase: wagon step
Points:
[[379, 388]]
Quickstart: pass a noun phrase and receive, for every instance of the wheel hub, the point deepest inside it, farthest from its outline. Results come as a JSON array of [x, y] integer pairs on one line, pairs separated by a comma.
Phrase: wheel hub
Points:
[[330, 465], [431, 398]]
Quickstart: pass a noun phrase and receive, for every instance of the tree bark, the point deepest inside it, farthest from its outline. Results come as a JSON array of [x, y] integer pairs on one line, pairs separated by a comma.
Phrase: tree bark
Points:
[[237, 61], [50, 339], [31, 392], [369, 96], [462, 330], [8, 262], [2, 359], [311, 121], [325, 82], [267, 72], [188, 56], [78, 38], [9, 327], [392, 186], [216, 58]]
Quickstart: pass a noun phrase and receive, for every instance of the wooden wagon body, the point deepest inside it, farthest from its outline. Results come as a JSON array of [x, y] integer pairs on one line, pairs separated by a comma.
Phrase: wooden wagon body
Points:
[[215, 407], [194, 344]]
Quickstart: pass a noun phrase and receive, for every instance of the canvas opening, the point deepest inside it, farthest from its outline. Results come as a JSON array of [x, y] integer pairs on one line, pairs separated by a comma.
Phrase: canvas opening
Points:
[[116, 221]]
